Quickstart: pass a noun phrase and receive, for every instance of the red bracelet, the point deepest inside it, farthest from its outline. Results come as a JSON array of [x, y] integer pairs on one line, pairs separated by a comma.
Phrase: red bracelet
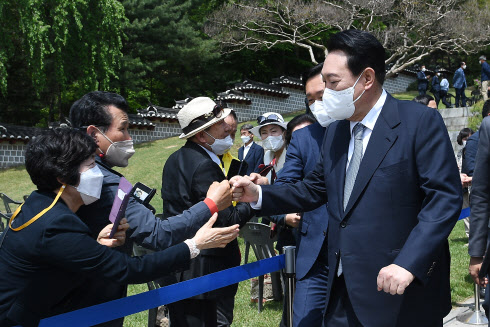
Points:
[[211, 205]]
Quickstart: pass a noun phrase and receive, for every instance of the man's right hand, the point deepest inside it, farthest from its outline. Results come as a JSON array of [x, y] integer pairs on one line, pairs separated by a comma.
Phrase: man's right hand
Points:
[[258, 179], [244, 190], [220, 193], [474, 269]]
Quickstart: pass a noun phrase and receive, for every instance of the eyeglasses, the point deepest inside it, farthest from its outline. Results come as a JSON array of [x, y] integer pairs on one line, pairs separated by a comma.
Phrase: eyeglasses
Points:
[[267, 119]]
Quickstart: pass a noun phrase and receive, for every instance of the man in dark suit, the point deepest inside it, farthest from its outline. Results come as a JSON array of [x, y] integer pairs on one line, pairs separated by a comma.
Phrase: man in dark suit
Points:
[[436, 88], [480, 205], [459, 84], [311, 253], [422, 81], [393, 189], [187, 174], [251, 152]]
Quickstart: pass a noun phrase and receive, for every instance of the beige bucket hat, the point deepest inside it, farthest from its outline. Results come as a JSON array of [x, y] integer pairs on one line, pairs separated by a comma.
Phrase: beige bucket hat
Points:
[[268, 118], [199, 114]]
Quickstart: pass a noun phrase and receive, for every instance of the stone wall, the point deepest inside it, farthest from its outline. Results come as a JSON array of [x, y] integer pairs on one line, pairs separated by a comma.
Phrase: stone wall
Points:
[[398, 83], [11, 154]]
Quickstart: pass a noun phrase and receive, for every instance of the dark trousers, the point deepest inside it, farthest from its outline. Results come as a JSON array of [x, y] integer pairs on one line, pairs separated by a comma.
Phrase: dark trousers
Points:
[[422, 91], [443, 98], [339, 310], [437, 97], [193, 313], [224, 309], [310, 297], [460, 95]]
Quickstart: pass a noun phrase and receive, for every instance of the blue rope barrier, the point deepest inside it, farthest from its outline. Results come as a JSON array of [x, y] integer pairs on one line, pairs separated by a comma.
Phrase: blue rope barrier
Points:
[[464, 213], [140, 302]]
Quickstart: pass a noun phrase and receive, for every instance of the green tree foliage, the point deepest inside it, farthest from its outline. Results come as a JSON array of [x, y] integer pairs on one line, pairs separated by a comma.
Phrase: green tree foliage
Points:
[[53, 47], [165, 54]]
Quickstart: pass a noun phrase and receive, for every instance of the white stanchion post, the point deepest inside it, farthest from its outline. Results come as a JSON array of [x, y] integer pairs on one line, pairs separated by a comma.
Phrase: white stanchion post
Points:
[[476, 316], [290, 273]]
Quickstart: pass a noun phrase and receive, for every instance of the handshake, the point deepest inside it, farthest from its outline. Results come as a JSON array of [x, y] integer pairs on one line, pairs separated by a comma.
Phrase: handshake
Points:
[[238, 188]]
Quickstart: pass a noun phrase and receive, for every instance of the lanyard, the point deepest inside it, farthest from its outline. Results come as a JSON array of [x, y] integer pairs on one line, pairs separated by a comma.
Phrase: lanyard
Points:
[[36, 217]]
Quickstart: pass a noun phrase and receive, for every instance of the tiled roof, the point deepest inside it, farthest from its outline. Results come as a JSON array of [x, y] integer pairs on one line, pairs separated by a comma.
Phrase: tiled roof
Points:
[[179, 104], [261, 88], [18, 133], [155, 112], [287, 81], [233, 96], [138, 121]]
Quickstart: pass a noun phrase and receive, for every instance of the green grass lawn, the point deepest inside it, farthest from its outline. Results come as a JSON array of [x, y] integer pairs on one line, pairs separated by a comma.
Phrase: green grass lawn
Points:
[[146, 166]]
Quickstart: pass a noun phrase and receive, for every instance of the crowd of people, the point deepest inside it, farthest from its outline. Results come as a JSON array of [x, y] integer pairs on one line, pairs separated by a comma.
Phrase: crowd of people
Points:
[[439, 85], [366, 186]]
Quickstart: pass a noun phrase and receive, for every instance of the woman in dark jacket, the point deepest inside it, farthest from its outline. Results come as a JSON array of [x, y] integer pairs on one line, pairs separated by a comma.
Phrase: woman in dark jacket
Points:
[[48, 250]]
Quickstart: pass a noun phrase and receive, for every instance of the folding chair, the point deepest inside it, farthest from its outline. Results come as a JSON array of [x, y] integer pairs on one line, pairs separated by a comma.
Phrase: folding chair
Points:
[[4, 220], [258, 236], [7, 201]]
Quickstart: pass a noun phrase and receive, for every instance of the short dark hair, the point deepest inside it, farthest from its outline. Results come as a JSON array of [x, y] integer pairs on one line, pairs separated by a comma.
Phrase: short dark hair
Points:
[[423, 99], [296, 121], [486, 109], [57, 153], [462, 63], [362, 49], [312, 72], [91, 109], [233, 114], [464, 133], [246, 127]]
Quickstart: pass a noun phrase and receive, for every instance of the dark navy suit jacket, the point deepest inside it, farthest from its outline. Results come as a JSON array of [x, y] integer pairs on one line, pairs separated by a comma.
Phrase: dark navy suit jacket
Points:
[[469, 154], [254, 158], [301, 157], [422, 81], [43, 262], [406, 200]]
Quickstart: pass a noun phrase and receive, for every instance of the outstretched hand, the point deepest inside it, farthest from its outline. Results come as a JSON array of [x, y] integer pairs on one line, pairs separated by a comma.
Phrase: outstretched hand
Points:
[[208, 237], [119, 237]]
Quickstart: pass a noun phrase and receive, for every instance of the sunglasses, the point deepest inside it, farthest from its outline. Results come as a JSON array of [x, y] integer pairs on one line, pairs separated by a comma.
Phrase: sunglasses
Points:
[[217, 112], [267, 119]]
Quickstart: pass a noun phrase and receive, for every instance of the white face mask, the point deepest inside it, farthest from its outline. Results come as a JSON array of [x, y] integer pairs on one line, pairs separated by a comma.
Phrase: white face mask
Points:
[[464, 66], [438, 74], [245, 139], [118, 153], [339, 105], [273, 143], [90, 185], [464, 144], [220, 146], [423, 69], [318, 110]]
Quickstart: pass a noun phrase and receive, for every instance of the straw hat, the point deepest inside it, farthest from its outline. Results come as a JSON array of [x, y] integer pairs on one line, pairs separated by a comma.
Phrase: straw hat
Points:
[[198, 115], [268, 118]]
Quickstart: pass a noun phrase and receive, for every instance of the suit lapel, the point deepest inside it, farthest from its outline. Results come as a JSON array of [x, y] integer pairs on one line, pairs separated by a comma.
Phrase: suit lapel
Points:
[[382, 139]]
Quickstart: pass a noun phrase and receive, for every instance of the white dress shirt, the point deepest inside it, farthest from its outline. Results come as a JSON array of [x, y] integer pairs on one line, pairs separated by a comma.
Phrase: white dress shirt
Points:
[[246, 148]]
